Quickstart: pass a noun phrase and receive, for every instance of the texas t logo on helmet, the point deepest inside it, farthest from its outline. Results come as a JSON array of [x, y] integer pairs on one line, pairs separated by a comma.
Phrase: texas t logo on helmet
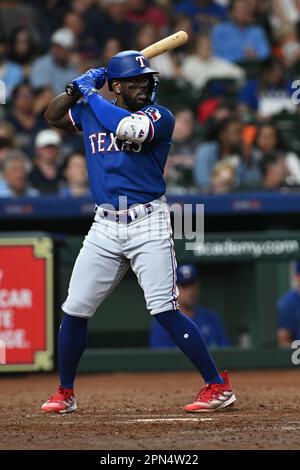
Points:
[[128, 64], [141, 60]]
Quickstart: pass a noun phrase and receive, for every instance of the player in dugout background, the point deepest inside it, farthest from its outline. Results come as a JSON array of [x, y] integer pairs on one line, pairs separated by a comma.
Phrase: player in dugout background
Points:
[[127, 144]]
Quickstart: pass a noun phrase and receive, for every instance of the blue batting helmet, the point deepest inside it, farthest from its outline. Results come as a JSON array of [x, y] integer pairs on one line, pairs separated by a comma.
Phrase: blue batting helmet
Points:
[[127, 64]]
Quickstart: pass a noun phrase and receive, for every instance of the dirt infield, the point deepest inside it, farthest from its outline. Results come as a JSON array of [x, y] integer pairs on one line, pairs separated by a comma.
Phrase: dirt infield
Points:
[[144, 411]]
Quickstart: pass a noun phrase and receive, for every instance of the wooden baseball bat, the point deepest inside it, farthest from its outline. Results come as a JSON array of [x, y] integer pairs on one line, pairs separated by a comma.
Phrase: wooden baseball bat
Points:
[[166, 44]]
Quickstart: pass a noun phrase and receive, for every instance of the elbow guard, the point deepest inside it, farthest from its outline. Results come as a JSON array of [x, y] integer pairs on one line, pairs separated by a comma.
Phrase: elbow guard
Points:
[[133, 128]]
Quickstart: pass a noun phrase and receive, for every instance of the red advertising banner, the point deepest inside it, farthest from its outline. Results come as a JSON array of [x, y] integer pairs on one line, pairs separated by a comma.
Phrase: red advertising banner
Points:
[[26, 304]]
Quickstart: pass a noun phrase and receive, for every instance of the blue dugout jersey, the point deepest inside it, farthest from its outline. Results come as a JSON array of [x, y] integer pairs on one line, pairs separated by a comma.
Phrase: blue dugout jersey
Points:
[[289, 313], [208, 322], [117, 168]]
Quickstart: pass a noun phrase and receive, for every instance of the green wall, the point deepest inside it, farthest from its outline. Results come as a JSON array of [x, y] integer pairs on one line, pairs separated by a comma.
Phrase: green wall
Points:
[[244, 292]]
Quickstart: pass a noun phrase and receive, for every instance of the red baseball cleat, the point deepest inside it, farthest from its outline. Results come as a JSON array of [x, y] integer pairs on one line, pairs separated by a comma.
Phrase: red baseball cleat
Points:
[[62, 402], [213, 397]]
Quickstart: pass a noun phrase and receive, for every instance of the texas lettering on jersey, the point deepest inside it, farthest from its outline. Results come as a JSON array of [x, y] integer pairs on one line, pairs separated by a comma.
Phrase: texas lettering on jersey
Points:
[[115, 166], [108, 142]]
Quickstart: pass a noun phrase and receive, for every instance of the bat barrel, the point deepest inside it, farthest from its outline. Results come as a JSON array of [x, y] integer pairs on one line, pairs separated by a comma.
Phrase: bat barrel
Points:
[[166, 44]]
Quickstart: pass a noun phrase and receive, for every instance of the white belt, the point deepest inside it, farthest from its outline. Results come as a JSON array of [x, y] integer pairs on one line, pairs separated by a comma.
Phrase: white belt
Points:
[[126, 216]]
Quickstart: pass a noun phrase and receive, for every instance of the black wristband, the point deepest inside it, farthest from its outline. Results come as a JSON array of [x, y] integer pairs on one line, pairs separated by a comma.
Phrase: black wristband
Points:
[[71, 90]]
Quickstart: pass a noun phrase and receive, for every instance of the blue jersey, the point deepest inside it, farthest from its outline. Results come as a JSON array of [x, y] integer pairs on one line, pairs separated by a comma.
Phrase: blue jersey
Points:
[[289, 313], [208, 323], [118, 168]]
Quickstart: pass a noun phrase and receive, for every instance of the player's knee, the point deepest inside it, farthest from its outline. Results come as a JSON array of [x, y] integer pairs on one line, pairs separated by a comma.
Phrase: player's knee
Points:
[[78, 308], [167, 317]]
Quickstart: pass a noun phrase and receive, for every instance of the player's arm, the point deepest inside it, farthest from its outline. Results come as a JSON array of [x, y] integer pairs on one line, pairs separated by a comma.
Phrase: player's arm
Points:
[[141, 126], [284, 338], [57, 113], [286, 324], [132, 127]]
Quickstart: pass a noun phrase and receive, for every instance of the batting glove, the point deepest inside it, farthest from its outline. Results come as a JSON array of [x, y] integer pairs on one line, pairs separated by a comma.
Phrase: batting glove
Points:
[[100, 77], [90, 81]]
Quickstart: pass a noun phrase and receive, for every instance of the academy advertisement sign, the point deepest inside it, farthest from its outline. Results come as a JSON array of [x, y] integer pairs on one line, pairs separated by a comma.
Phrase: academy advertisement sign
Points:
[[251, 246], [26, 304]]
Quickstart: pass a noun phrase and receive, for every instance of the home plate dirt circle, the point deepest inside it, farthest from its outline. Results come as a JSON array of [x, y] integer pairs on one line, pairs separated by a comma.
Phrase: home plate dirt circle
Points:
[[144, 411]]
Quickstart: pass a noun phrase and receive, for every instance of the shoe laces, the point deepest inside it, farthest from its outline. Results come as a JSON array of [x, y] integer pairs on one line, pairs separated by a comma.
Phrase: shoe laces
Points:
[[209, 391], [61, 394]]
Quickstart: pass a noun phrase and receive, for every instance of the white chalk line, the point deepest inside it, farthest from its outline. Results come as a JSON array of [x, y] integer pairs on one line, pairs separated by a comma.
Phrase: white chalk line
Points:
[[131, 421], [165, 420], [287, 428]]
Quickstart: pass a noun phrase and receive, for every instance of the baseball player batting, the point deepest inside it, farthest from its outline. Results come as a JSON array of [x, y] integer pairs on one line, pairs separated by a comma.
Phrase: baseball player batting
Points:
[[127, 144]]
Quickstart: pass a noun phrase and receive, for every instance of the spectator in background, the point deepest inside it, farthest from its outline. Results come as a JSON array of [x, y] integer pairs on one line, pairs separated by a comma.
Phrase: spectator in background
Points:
[[270, 93], [239, 39], [15, 13], [262, 12], [289, 313], [222, 179], [23, 117], [15, 172], [166, 63], [206, 319], [287, 47], [181, 160], [75, 175], [205, 13], [285, 12], [73, 21], [181, 22], [211, 112], [48, 15], [46, 175], [201, 66], [87, 50], [51, 72], [7, 141], [23, 48], [110, 48], [108, 20], [82, 18], [273, 171], [140, 12], [11, 73], [227, 147], [269, 140], [84, 6]]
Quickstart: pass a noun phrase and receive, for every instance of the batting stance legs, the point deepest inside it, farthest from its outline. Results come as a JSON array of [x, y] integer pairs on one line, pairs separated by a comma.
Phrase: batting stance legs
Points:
[[108, 250]]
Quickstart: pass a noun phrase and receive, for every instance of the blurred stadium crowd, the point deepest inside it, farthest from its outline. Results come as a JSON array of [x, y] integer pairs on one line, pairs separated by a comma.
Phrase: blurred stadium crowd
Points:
[[230, 89]]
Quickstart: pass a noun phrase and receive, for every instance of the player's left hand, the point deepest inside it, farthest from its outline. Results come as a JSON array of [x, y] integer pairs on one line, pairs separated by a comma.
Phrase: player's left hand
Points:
[[90, 81], [100, 77]]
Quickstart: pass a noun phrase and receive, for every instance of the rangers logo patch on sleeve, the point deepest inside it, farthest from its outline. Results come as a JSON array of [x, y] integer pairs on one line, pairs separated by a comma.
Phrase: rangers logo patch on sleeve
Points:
[[153, 113]]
